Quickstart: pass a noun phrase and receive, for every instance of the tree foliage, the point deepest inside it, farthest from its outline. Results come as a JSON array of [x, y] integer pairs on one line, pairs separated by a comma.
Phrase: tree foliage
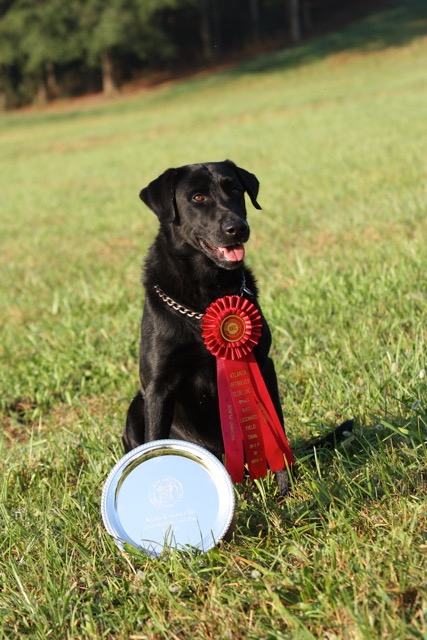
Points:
[[51, 47], [118, 28]]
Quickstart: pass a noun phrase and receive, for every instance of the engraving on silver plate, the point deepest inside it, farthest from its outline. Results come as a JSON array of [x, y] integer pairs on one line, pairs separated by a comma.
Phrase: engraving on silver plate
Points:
[[174, 520], [166, 492], [145, 505]]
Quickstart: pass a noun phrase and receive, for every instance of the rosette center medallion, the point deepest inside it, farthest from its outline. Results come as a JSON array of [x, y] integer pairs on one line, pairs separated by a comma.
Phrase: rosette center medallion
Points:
[[233, 328]]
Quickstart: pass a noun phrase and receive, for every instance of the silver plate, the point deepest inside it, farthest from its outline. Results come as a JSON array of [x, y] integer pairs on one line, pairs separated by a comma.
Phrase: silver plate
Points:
[[168, 493]]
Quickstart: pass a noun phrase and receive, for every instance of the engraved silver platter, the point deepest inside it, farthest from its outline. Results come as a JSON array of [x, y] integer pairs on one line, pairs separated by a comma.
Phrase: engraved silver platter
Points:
[[168, 494]]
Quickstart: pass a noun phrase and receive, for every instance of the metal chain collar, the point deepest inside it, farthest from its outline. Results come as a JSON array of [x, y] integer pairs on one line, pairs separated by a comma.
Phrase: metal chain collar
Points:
[[190, 313], [176, 306]]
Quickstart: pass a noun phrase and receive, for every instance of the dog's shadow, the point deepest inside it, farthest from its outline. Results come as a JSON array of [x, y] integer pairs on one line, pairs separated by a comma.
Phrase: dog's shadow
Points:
[[365, 467]]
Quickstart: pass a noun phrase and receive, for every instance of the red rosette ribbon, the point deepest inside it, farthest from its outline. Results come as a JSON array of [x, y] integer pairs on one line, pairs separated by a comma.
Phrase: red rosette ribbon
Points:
[[251, 429]]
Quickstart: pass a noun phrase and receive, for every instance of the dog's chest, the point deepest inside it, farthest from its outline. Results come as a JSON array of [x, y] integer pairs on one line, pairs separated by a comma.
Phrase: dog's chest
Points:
[[198, 378]]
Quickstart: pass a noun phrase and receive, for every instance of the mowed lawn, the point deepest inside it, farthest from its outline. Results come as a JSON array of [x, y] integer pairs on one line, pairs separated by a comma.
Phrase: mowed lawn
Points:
[[336, 131]]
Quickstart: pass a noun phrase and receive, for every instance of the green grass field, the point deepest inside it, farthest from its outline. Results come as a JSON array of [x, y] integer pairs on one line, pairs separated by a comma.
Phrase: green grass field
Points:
[[336, 131]]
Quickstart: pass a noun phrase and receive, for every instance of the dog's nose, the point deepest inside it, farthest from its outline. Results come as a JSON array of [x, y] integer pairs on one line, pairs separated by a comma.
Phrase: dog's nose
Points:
[[236, 229]]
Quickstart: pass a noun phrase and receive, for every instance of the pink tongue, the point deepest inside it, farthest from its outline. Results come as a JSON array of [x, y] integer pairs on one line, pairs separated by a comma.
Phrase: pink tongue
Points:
[[234, 254]]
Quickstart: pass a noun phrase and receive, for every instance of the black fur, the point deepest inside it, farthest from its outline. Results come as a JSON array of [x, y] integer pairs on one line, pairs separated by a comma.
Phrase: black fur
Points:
[[194, 260]]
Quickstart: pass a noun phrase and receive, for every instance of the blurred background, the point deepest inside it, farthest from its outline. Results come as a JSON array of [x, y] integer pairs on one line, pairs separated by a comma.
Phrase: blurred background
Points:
[[51, 49]]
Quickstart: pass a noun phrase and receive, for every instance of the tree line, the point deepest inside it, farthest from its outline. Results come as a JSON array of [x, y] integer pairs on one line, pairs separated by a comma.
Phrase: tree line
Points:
[[52, 48]]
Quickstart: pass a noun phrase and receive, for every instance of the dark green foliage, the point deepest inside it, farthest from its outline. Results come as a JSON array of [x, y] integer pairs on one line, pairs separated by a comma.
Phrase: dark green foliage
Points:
[[50, 48]]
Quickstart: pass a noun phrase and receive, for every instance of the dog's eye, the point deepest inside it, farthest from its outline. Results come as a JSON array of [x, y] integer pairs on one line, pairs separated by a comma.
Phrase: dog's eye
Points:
[[199, 197], [235, 191]]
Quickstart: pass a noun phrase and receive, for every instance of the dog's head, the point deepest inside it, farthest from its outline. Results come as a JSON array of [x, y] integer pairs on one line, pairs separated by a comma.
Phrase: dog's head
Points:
[[206, 204]]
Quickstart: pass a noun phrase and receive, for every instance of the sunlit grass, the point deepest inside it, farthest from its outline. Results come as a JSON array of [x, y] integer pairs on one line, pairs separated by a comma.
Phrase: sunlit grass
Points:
[[337, 138]]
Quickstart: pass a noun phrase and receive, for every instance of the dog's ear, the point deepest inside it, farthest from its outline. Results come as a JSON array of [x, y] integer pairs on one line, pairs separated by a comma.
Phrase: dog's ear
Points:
[[159, 195], [249, 181]]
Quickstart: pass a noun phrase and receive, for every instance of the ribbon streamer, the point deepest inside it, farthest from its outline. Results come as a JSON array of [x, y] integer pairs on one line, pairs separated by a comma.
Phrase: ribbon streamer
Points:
[[251, 429]]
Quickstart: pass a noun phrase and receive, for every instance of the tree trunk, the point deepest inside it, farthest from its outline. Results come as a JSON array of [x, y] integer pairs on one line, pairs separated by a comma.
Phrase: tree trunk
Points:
[[41, 96], [307, 20], [254, 9], [109, 85], [216, 21], [294, 20], [51, 84], [206, 32]]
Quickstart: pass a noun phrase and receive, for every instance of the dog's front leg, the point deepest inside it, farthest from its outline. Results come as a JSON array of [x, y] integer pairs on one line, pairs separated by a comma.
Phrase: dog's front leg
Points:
[[158, 411]]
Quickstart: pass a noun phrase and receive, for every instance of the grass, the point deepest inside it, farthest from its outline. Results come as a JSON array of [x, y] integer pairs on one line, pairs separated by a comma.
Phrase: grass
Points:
[[337, 138]]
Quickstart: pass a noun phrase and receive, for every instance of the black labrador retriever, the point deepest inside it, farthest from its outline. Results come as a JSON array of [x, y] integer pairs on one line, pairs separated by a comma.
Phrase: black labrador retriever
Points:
[[196, 258]]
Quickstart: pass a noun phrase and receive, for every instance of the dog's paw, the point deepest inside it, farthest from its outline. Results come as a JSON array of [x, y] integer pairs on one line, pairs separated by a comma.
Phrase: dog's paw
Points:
[[283, 482]]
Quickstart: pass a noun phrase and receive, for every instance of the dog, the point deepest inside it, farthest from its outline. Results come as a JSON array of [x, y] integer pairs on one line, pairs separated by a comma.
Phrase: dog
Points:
[[197, 257]]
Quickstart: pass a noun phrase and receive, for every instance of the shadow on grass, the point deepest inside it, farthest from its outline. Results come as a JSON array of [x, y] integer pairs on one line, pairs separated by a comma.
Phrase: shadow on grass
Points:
[[373, 464], [396, 24]]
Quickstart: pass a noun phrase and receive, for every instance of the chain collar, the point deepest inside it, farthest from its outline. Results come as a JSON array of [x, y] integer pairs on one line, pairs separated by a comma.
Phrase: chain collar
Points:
[[190, 313], [194, 315]]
